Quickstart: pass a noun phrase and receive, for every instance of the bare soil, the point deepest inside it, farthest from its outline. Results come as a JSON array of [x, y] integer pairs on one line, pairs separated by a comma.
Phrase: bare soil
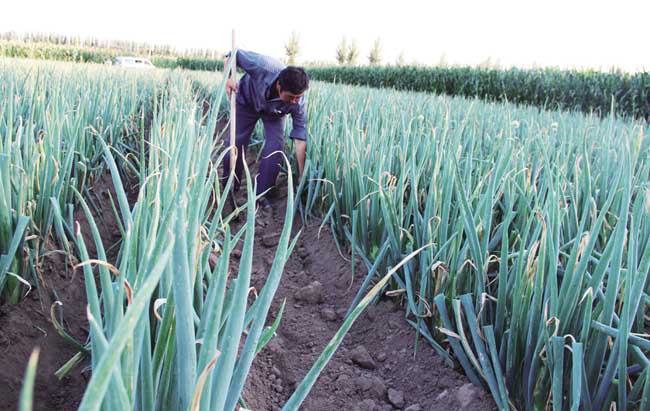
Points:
[[28, 324], [376, 368]]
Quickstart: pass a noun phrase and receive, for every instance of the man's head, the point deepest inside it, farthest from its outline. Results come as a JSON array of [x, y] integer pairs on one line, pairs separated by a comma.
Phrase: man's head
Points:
[[292, 84]]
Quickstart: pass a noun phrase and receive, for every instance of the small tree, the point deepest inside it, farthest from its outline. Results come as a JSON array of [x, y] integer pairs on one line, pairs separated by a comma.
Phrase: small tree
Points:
[[292, 48], [342, 51], [374, 58], [353, 53]]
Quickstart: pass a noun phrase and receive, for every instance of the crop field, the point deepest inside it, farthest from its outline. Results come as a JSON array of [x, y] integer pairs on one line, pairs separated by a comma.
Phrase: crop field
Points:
[[537, 231], [590, 91], [512, 242]]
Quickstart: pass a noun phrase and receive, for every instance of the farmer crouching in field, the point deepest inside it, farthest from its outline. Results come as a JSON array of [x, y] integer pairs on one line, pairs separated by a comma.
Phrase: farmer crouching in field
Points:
[[268, 91]]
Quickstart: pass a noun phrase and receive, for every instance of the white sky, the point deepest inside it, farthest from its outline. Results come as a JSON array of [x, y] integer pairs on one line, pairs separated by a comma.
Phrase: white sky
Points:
[[565, 33]]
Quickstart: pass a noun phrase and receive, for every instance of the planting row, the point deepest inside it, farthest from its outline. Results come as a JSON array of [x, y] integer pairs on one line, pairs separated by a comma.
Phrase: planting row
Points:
[[536, 228]]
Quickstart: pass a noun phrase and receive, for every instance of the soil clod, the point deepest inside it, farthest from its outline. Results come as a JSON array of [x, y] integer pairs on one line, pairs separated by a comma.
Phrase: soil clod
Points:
[[396, 398], [312, 294], [328, 314], [366, 405], [270, 240], [362, 358], [466, 394]]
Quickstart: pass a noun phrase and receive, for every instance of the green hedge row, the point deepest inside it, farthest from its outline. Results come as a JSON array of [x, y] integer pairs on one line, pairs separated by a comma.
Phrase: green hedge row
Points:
[[196, 63], [588, 91]]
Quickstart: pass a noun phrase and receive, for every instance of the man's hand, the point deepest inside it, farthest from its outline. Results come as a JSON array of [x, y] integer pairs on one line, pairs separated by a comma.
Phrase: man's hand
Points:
[[231, 85]]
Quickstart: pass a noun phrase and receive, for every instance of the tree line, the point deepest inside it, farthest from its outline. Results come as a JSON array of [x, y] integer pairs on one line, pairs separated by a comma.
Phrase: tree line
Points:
[[124, 46]]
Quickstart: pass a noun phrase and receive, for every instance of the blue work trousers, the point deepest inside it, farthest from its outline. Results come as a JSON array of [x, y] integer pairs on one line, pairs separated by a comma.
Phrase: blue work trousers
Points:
[[273, 141]]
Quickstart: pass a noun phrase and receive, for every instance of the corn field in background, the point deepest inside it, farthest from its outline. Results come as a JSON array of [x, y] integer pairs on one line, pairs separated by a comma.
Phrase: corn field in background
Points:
[[540, 225], [585, 90]]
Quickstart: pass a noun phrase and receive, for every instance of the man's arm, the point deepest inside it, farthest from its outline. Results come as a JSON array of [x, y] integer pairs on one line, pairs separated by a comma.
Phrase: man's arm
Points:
[[301, 154], [299, 134], [248, 61]]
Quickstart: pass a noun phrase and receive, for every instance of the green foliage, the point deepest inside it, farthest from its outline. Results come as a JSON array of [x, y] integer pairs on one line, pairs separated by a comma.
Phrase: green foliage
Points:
[[50, 118], [190, 63], [27, 392], [167, 329], [539, 274], [55, 52], [587, 91], [165, 62]]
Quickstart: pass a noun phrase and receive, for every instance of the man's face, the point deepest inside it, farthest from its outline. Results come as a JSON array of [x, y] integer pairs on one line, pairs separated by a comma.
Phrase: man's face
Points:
[[288, 97]]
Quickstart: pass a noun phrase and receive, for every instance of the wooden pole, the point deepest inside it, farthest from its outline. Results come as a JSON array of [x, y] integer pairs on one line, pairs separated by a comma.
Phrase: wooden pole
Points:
[[233, 106]]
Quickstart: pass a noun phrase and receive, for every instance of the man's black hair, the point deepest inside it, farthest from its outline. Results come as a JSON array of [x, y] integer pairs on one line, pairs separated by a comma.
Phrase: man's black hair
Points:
[[293, 79]]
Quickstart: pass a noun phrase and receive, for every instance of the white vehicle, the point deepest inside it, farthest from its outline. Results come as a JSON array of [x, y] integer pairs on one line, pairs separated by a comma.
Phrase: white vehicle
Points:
[[133, 62]]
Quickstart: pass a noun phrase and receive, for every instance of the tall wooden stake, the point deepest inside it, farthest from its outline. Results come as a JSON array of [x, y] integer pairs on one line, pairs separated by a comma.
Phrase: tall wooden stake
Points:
[[233, 107]]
